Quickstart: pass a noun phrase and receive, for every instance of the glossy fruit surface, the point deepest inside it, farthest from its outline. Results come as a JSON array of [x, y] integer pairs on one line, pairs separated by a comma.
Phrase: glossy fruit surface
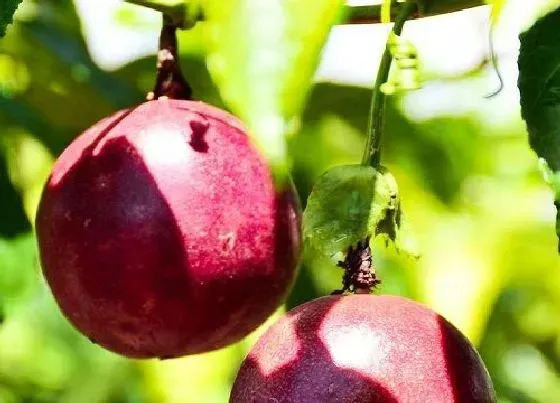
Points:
[[161, 233], [362, 348]]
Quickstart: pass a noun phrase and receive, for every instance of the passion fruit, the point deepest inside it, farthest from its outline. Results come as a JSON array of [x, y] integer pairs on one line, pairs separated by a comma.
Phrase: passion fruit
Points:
[[366, 349], [161, 232]]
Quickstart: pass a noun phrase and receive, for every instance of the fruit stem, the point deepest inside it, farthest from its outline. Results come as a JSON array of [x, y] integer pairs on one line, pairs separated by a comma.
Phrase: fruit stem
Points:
[[372, 150], [170, 82]]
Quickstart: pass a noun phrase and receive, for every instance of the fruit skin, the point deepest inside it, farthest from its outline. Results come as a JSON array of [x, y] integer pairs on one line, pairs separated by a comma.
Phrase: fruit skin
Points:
[[161, 234], [362, 348]]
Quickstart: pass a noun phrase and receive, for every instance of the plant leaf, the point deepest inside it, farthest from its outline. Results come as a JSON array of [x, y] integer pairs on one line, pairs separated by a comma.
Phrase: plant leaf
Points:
[[349, 203], [338, 210], [262, 56], [7, 10], [539, 88]]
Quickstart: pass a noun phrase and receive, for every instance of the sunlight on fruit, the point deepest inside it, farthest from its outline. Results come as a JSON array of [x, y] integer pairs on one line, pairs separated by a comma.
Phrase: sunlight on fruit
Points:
[[354, 348]]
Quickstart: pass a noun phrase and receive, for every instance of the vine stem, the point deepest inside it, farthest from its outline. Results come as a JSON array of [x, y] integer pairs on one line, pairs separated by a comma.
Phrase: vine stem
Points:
[[371, 14], [367, 14], [376, 123]]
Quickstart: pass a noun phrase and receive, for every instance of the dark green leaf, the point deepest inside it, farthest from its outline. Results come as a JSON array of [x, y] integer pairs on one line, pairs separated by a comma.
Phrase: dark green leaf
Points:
[[349, 203], [338, 209], [7, 10], [539, 88]]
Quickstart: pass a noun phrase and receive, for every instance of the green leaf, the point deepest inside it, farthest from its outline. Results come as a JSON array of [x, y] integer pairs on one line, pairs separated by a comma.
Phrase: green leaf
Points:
[[7, 10], [539, 88], [349, 203], [338, 209], [262, 56]]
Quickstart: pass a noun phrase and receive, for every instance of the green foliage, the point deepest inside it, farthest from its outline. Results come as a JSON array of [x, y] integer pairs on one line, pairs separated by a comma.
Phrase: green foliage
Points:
[[338, 210], [7, 10], [262, 56], [347, 204], [539, 88]]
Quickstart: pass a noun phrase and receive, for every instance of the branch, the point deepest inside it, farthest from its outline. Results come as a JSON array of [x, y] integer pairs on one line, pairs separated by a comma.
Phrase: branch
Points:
[[370, 14], [178, 11]]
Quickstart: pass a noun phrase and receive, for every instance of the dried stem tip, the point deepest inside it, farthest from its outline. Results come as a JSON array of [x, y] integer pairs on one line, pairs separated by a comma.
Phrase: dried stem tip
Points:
[[359, 273]]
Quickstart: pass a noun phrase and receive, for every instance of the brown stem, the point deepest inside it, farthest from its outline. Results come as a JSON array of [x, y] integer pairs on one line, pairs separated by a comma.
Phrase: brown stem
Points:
[[359, 274], [170, 82], [370, 14]]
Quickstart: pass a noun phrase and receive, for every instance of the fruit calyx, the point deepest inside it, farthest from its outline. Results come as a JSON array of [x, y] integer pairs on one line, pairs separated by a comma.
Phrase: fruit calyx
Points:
[[359, 273], [170, 82]]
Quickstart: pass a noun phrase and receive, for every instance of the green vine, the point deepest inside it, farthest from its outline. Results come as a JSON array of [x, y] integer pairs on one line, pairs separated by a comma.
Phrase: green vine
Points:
[[376, 124]]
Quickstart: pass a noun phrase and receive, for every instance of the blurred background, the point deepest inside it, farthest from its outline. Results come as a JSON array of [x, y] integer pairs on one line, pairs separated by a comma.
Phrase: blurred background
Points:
[[478, 208]]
